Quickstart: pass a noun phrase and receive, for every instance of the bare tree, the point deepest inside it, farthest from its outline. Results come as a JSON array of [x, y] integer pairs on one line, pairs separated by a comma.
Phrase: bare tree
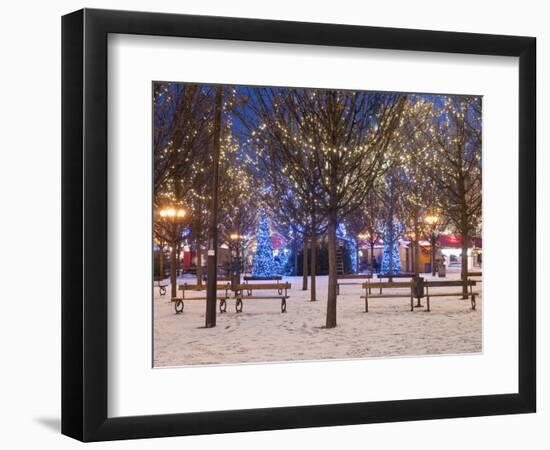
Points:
[[182, 115], [238, 192], [182, 133], [290, 202], [455, 134], [332, 144]]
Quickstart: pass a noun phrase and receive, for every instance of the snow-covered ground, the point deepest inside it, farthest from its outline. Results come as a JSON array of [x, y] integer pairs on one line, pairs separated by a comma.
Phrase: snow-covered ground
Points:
[[261, 333]]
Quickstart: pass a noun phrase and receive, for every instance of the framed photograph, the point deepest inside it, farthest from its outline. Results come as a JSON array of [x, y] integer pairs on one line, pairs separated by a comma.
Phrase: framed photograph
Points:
[[273, 225]]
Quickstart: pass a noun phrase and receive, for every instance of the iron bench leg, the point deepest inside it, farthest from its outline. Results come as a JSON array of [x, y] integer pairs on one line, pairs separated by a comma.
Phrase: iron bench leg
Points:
[[239, 305], [473, 301], [283, 300], [428, 303], [178, 306], [223, 306]]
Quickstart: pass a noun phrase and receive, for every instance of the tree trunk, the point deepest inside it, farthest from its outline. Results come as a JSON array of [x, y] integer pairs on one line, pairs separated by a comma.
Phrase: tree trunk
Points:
[[357, 256], [371, 257], [411, 251], [173, 278], [304, 266], [464, 265], [161, 261], [178, 259], [391, 241], [416, 258], [199, 262], [212, 256], [331, 297], [433, 256], [417, 267], [313, 296], [295, 249]]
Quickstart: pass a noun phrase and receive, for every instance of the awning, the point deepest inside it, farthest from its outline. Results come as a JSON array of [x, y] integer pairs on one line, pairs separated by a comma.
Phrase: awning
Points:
[[455, 241]]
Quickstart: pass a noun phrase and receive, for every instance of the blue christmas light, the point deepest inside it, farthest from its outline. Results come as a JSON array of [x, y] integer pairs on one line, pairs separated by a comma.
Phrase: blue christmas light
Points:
[[264, 265], [280, 262], [391, 261]]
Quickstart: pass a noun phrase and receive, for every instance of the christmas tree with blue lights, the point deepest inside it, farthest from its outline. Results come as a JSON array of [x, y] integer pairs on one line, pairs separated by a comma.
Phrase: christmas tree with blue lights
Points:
[[391, 262], [264, 265]]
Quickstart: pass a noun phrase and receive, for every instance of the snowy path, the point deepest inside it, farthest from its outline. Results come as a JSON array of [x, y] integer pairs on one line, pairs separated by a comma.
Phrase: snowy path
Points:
[[262, 334]]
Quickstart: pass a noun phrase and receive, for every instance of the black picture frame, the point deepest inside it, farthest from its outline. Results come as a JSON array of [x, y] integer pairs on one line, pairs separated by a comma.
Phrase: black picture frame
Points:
[[84, 224]]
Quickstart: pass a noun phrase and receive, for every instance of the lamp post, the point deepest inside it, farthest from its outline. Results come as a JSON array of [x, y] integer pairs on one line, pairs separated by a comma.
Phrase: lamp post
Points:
[[173, 217], [433, 222]]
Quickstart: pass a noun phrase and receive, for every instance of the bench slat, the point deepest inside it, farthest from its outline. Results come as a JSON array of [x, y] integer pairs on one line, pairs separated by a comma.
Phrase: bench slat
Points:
[[448, 283], [262, 286], [395, 275], [355, 276], [201, 287], [388, 284], [447, 294], [273, 278]]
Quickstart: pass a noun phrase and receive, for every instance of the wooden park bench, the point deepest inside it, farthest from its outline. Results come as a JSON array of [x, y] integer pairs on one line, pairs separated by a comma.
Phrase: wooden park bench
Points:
[[355, 276], [250, 288], [178, 301], [248, 279], [391, 276], [457, 283], [409, 285]]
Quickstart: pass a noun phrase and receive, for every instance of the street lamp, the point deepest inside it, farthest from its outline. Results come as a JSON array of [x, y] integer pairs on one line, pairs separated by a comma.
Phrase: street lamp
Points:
[[433, 220], [172, 213], [173, 216]]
